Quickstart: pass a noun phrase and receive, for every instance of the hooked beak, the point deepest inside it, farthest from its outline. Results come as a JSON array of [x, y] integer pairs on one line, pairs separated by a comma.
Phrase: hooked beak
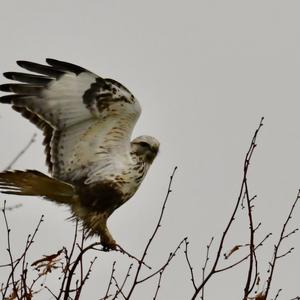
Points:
[[154, 149], [152, 154]]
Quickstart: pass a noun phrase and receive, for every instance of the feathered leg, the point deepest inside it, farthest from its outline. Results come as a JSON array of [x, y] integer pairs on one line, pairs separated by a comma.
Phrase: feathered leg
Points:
[[95, 223]]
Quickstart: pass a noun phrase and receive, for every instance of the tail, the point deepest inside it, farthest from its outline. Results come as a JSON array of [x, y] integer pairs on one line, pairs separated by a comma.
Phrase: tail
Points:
[[34, 183]]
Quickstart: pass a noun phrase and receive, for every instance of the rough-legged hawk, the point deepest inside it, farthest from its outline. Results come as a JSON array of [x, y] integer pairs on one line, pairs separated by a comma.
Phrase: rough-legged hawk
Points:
[[87, 123]]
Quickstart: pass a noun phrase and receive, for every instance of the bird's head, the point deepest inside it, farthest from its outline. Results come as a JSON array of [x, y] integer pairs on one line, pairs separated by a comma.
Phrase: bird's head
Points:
[[146, 147]]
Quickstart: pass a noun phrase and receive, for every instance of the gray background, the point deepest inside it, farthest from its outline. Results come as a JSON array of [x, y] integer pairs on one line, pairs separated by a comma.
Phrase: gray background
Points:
[[204, 72]]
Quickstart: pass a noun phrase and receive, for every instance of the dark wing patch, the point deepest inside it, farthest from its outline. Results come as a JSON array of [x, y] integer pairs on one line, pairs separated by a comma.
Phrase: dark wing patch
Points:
[[105, 93]]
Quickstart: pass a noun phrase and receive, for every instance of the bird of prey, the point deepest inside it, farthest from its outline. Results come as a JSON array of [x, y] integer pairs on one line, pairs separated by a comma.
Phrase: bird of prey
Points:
[[87, 123]]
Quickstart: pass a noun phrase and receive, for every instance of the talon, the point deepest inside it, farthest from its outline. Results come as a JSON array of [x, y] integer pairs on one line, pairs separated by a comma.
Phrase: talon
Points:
[[108, 243], [109, 246]]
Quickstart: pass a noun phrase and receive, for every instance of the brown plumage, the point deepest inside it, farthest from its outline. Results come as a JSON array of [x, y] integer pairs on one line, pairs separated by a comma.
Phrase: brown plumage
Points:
[[35, 183]]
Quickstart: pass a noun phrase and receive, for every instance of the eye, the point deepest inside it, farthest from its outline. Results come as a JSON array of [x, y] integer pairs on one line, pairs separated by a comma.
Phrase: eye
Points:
[[144, 144]]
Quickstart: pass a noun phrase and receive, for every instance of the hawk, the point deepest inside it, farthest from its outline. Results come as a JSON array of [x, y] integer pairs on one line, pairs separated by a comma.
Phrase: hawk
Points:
[[87, 123]]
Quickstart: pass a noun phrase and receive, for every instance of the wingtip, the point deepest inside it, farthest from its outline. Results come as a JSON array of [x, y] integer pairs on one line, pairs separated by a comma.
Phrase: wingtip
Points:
[[7, 99], [65, 66], [53, 62], [8, 75], [49, 60], [21, 63], [40, 68], [5, 87]]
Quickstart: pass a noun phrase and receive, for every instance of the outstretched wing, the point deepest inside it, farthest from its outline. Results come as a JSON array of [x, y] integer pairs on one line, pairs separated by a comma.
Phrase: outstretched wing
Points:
[[87, 120]]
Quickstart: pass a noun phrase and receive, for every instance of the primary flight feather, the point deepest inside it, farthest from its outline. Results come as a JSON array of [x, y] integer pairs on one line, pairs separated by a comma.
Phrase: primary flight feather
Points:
[[87, 123]]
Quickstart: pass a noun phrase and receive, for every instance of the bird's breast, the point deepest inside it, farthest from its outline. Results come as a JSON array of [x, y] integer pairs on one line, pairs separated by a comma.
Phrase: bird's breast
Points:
[[103, 196]]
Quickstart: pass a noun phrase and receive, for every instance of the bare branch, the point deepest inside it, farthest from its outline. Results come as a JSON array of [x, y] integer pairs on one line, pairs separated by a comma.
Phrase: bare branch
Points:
[[286, 253], [205, 265], [232, 218], [74, 266], [110, 281], [252, 254], [31, 141], [158, 285], [123, 251], [277, 295], [290, 233], [121, 288], [14, 263], [163, 267], [277, 246], [84, 279], [189, 264], [140, 264], [244, 258]]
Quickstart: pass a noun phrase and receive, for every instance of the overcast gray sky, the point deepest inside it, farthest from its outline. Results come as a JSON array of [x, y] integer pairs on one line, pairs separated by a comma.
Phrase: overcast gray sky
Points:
[[204, 73]]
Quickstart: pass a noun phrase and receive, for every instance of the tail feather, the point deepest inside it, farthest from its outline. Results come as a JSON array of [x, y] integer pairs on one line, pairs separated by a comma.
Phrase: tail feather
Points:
[[34, 183]]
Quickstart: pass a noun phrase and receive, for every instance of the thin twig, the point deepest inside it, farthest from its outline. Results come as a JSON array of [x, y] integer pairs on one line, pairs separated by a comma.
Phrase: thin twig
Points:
[[140, 264], [123, 251], [232, 218], [126, 276], [205, 265], [53, 295], [110, 281], [31, 141], [15, 263], [252, 255], [163, 267], [12, 273], [277, 246], [121, 288], [84, 279], [277, 295], [68, 258], [189, 264], [74, 266], [244, 258], [158, 285]]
